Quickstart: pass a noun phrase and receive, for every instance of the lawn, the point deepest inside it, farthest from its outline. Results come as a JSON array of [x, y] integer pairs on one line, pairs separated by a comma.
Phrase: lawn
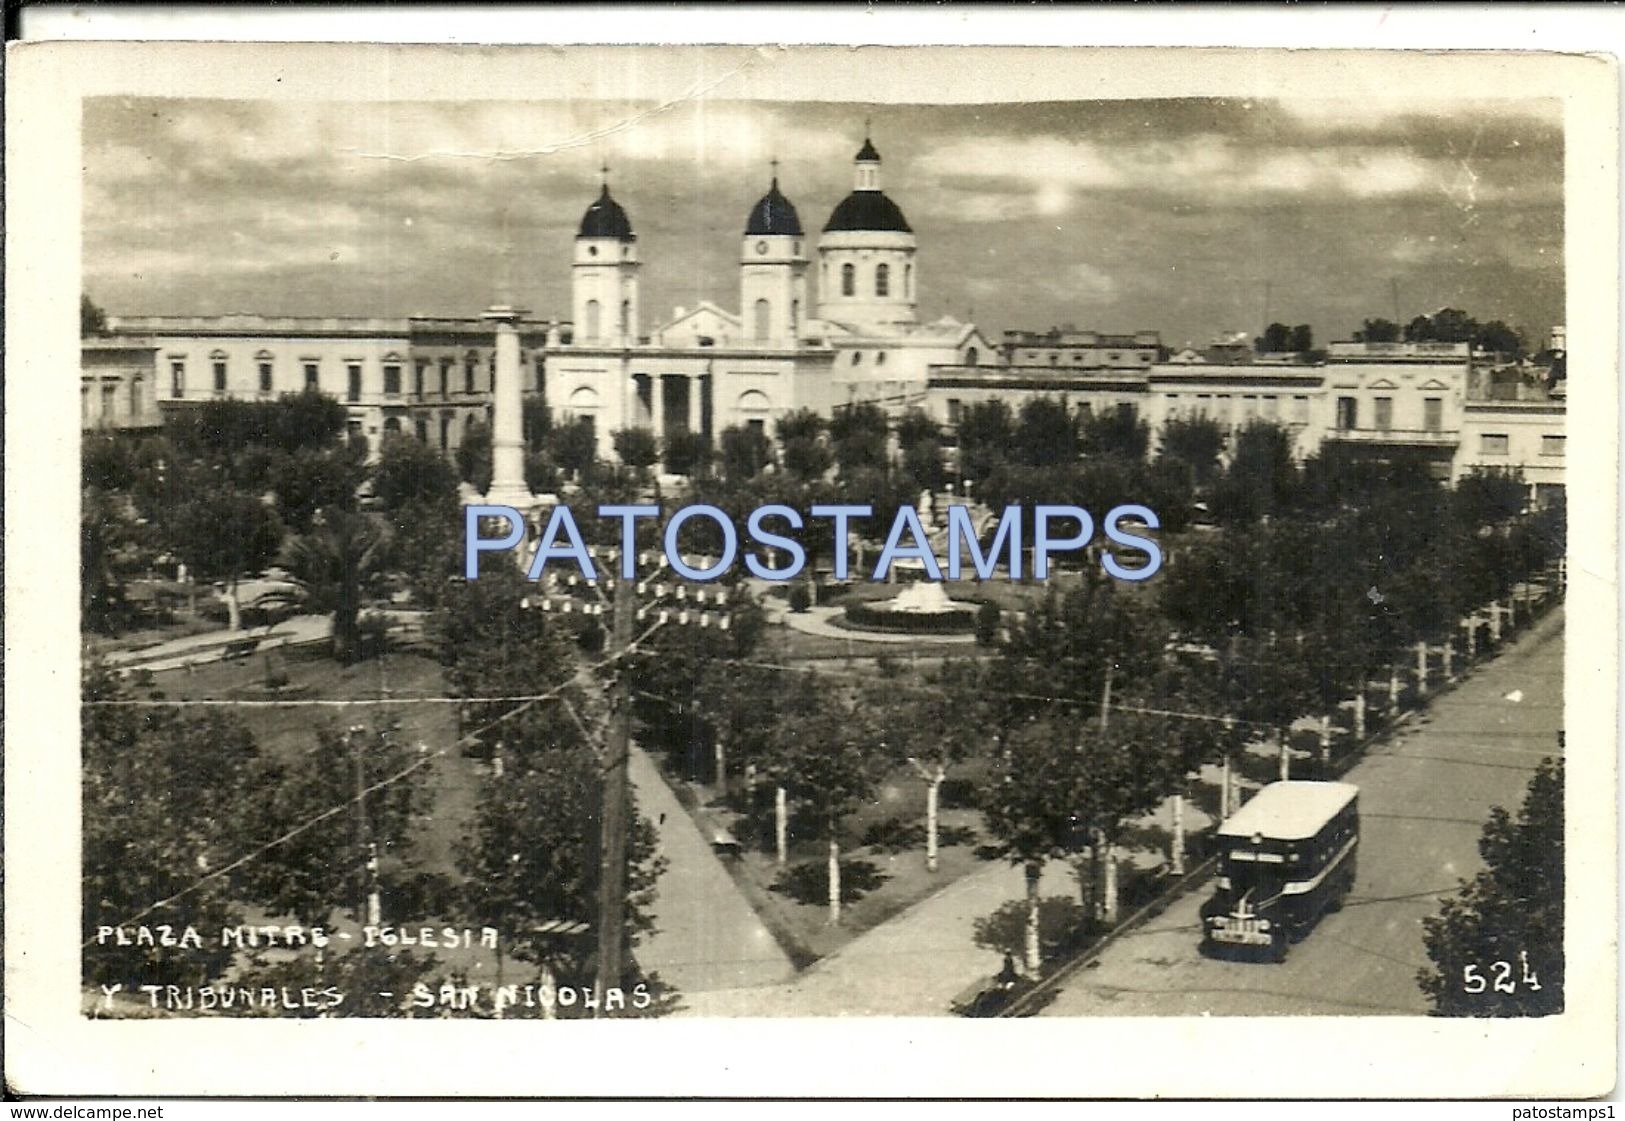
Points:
[[887, 876], [286, 732]]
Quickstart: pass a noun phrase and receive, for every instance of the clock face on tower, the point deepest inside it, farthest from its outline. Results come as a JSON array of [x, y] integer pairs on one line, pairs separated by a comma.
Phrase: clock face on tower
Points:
[[761, 247]]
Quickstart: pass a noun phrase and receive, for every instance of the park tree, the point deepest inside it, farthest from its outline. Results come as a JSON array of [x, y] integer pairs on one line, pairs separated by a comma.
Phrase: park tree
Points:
[[1302, 339], [494, 641], [574, 447], [334, 565], [985, 433], [688, 453], [1193, 445], [411, 475], [222, 534], [920, 441], [745, 452], [532, 855], [859, 433], [218, 431], [1077, 648], [944, 724], [165, 791], [829, 754], [1046, 435], [473, 456], [802, 448], [636, 448], [308, 481], [536, 422], [364, 787], [1037, 783], [1488, 497], [739, 702], [1497, 945], [1115, 433], [1262, 478]]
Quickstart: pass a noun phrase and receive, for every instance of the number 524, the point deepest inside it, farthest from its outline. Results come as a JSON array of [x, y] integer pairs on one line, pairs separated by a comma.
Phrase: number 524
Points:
[[1500, 976]]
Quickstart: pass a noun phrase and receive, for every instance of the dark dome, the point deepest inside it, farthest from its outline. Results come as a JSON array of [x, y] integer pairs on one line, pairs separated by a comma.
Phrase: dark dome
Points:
[[605, 218], [867, 152], [867, 210], [774, 214]]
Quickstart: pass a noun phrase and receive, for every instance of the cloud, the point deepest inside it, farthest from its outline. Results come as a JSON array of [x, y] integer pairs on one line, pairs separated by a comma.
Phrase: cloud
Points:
[[998, 173], [1129, 214]]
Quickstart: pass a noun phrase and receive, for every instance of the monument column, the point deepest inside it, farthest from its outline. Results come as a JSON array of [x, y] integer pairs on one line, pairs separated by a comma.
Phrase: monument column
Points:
[[508, 486]]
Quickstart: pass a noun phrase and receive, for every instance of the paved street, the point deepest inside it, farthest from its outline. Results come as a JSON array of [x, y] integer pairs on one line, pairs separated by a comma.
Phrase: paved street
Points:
[[1424, 798]]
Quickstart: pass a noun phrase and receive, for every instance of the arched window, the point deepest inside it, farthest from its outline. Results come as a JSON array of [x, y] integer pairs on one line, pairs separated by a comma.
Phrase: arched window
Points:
[[849, 280], [592, 319], [392, 424], [626, 317], [970, 356], [882, 280], [908, 282], [764, 312], [795, 316]]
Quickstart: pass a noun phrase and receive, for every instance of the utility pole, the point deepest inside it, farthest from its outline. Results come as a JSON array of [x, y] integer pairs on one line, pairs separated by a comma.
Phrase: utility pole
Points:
[[612, 875], [367, 902]]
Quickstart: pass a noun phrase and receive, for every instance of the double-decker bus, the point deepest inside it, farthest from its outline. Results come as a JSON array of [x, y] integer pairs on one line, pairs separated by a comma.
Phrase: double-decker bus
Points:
[[1285, 858]]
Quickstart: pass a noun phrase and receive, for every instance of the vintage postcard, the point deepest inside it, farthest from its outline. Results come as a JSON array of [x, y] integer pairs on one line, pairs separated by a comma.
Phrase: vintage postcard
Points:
[[955, 555]]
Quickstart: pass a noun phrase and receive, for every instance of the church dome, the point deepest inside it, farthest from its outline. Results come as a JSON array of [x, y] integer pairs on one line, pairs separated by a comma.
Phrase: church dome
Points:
[[605, 218], [867, 210], [773, 214]]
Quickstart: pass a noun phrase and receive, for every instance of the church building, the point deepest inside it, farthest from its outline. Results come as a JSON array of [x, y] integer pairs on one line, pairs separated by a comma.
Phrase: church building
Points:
[[706, 368]]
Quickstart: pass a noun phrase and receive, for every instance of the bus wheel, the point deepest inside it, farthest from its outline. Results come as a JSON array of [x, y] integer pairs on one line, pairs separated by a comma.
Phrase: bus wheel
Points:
[[1278, 948]]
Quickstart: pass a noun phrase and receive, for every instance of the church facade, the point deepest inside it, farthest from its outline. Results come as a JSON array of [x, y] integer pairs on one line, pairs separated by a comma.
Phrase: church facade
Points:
[[821, 324]]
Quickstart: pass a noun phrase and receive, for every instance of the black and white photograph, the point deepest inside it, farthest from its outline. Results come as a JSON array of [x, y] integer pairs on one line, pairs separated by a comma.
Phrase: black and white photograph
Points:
[[705, 548]]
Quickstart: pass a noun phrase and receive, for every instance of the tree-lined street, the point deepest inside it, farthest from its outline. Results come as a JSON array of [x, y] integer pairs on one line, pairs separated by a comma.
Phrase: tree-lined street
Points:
[[1424, 797]]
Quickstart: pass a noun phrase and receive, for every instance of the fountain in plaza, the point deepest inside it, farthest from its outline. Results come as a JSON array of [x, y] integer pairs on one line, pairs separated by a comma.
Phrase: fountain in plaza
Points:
[[923, 607]]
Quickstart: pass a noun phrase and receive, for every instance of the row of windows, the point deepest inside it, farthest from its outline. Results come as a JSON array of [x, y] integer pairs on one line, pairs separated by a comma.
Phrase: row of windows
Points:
[[1266, 406], [352, 373], [1348, 413], [956, 409], [849, 281], [109, 399], [1113, 358], [1500, 443]]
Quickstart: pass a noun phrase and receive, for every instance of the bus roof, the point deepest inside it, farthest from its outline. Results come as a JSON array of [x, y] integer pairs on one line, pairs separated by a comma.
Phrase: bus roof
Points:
[[1290, 811]]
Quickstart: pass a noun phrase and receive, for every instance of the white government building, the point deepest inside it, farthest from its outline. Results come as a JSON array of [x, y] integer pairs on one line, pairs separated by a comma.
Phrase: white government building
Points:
[[820, 325]]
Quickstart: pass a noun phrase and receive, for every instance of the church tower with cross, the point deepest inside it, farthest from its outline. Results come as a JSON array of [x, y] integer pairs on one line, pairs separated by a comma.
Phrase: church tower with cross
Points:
[[772, 272], [604, 277], [866, 256]]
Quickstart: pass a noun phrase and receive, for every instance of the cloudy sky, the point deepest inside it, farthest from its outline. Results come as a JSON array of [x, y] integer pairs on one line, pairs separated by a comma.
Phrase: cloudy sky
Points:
[[1174, 215]]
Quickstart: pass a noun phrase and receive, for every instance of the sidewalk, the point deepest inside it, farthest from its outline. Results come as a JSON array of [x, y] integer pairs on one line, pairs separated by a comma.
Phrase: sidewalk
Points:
[[815, 620], [911, 965], [707, 936], [211, 646]]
